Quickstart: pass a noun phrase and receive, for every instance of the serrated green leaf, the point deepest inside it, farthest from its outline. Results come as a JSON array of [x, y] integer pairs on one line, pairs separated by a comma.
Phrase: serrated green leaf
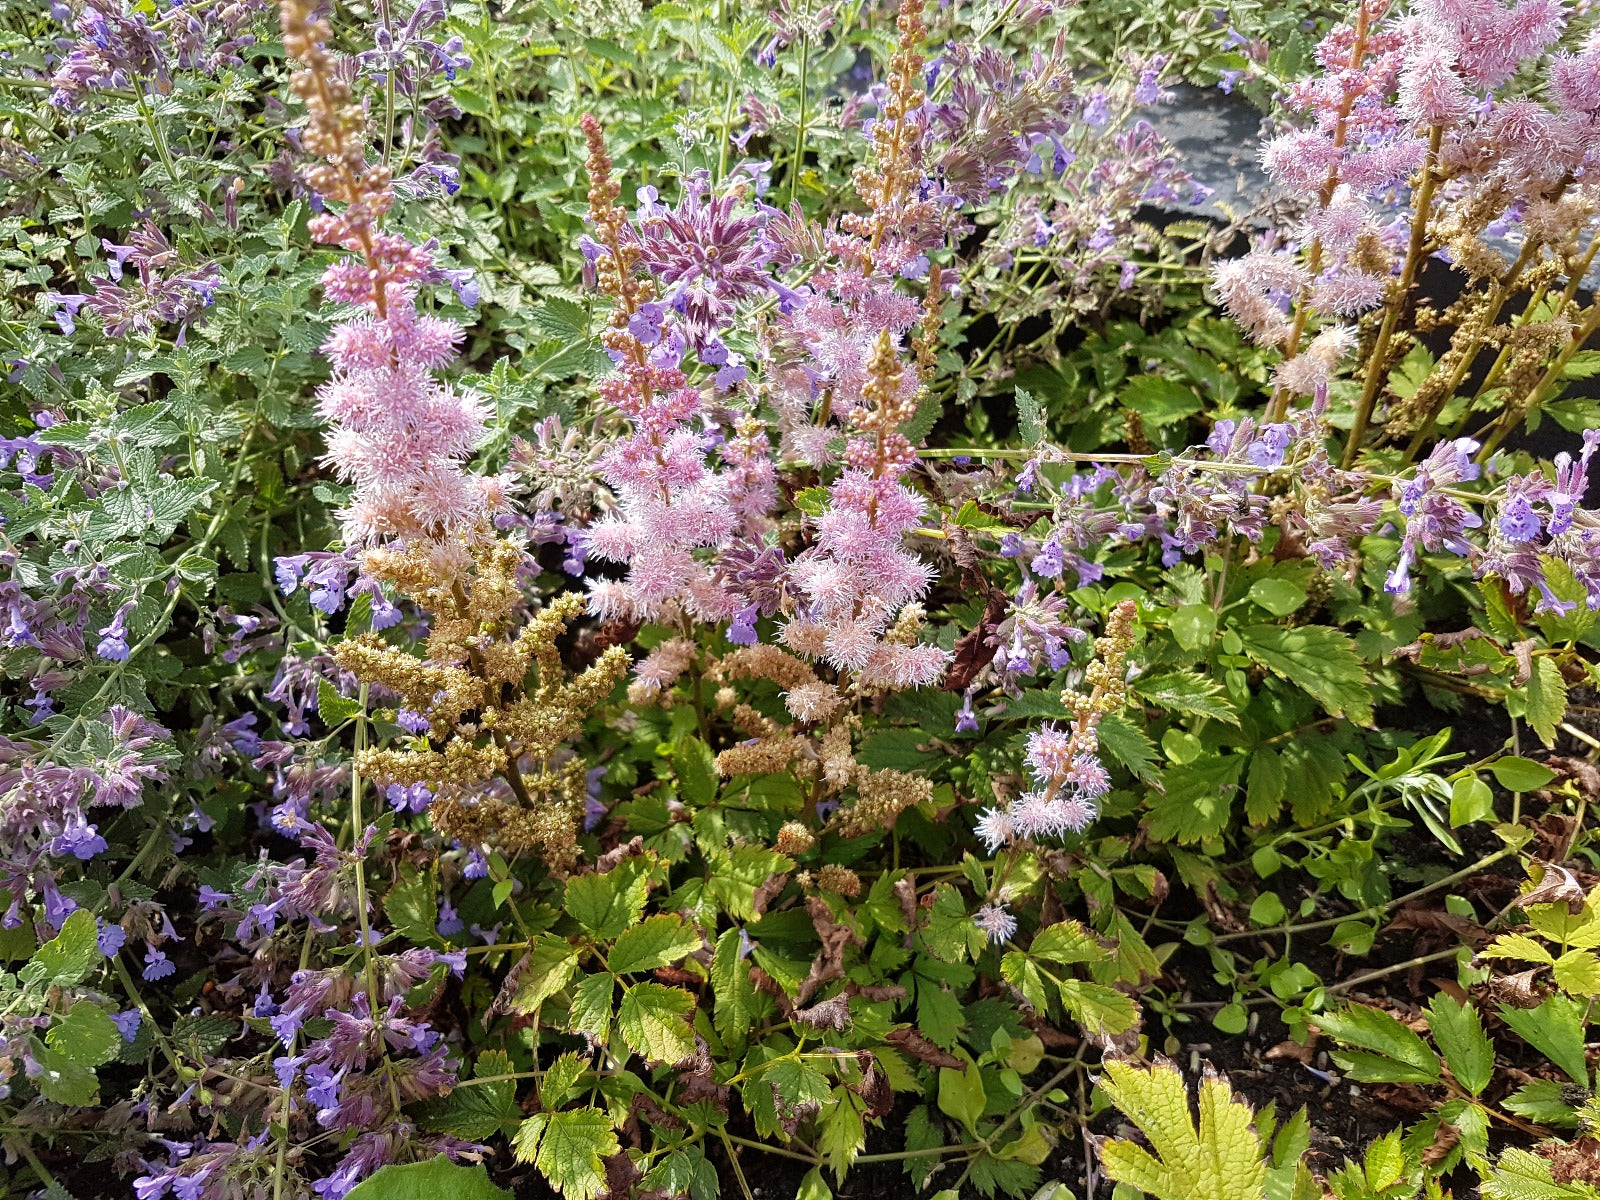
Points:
[[333, 708], [484, 1110], [1030, 418], [1188, 693], [65, 1081], [1546, 699], [1222, 1159], [1264, 786], [1099, 1009], [569, 1148], [654, 1021], [1577, 972], [86, 1035], [591, 1006], [655, 942], [559, 1078], [607, 904], [695, 766], [1197, 799], [544, 971], [68, 957], [1068, 942], [1556, 1030], [1395, 1053], [1320, 661], [730, 983], [1459, 1033], [1523, 1175]]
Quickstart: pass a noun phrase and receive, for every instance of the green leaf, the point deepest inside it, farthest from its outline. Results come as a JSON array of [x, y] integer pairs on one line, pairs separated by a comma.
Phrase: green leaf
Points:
[[1030, 419], [607, 904], [1471, 799], [479, 1112], [558, 1080], [655, 942], [591, 1006], [1099, 1009], [1264, 786], [544, 971], [1322, 662], [86, 1035], [843, 1131], [1197, 800], [695, 767], [1561, 581], [412, 906], [1467, 1050], [333, 708], [1546, 698], [431, 1180], [1068, 942], [69, 956], [1160, 401], [1188, 693], [1577, 972], [64, 1081], [961, 1095], [1520, 774], [730, 983], [561, 320], [569, 1148], [1279, 597], [1221, 1159], [1193, 626], [653, 1019], [1385, 1050], [796, 1083], [1523, 1175], [813, 501], [1555, 1029]]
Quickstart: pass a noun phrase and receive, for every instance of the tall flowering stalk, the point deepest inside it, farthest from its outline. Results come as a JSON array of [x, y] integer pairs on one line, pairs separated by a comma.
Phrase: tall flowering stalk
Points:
[[671, 503], [399, 434]]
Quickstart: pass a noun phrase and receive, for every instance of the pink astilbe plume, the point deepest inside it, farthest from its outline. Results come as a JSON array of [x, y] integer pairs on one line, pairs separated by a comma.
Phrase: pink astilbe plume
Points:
[[399, 434], [671, 502]]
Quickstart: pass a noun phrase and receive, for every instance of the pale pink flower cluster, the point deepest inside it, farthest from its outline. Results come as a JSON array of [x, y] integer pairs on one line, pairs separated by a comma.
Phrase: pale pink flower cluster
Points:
[[670, 502], [856, 578], [400, 434], [1392, 96], [1069, 781]]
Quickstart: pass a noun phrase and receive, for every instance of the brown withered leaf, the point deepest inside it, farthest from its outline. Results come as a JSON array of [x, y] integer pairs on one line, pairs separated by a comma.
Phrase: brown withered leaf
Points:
[[611, 858], [837, 938], [1556, 885], [1521, 990], [621, 1174], [763, 982], [1422, 919], [874, 1087], [833, 1013], [1300, 1052], [1585, 776], [1444, 1141], [877, 991], [919, 1046], [768, 892], [905, 891], [697, 1077], [677, 976], [975, 649]]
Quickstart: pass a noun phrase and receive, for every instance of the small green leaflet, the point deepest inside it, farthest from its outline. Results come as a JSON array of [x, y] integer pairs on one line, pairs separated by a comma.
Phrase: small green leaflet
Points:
[[431, 1180], [607, 904], [1459, 1033], [1188, 693], [68, 957], [1030, 419], [1376, 1048]]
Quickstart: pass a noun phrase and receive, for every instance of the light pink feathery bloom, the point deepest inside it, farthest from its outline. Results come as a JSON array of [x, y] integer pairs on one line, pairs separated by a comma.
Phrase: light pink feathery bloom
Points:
[[996, 921]]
